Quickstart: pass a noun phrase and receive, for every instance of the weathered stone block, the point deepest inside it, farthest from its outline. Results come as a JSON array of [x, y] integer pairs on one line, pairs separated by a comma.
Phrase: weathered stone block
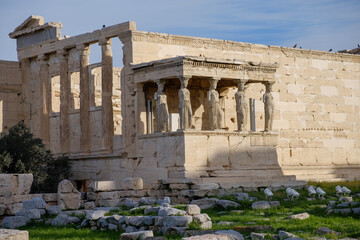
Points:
[[169, 211], [24, 183], [96, 214], [50, 197], [63, 220], [205, 203], [35, 203], [11, 209], [2, 209], [89, 205], [53, 210], [226, 204], [260, 205], [177, 221], [201, 218], [300, 216], [30, 213], [136, 235], [68, 196], [132, 184], [14, 221], [10, 234], [205, 186], [104, 186], [192, 209]]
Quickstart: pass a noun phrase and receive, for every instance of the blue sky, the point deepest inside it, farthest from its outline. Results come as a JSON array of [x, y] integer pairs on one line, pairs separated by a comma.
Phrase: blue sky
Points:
[[312, 24]]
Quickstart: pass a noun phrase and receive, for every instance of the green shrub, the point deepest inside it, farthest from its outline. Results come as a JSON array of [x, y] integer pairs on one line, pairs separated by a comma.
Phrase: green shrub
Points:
[[20, 152]]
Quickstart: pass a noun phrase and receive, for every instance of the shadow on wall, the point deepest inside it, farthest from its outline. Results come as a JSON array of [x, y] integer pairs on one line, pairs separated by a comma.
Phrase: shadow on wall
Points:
[[238, 161]]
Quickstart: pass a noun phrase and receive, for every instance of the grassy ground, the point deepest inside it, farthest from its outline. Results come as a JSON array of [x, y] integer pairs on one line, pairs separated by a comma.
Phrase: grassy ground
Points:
[[348, 225], [42, 231]]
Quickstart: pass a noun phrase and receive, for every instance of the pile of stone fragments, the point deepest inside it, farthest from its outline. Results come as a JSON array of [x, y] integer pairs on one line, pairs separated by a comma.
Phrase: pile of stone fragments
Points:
[[148, 215]]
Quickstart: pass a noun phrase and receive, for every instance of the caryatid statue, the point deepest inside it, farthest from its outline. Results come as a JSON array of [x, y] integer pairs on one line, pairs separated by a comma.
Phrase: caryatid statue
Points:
[[268, 107], [241, 105], [162, 113], [185, 110], [215, 111]]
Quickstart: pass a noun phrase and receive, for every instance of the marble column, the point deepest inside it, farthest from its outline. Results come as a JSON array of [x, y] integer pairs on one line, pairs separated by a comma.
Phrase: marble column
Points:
[[241, 105], [25, 89], [162, 112], [106, 98], [64, 102], [215, 111], [84, 98], [185, 110], [45, 99], [140, 109], [268, 107]]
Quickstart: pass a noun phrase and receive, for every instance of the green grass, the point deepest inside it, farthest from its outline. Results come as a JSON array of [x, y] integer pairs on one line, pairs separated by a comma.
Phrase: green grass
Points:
[[42, 231], [349, 226]]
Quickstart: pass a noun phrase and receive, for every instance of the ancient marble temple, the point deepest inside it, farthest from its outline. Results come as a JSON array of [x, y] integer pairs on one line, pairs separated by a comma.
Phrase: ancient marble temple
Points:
[[187, 109]]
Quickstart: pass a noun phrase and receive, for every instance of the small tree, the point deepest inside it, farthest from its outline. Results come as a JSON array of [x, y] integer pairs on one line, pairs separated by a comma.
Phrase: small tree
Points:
[[20, 152]]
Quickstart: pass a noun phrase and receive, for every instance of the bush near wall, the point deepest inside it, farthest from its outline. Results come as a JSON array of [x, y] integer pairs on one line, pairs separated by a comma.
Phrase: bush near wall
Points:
[[21, 152]]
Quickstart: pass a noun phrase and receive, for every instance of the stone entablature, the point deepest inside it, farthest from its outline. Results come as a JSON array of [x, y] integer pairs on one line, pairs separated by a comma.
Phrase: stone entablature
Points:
[[231, 46], [71, 42], [204, 67]]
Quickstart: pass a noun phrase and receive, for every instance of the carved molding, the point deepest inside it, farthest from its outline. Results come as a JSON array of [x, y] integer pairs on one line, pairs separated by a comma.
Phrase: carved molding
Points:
[[187, 62], [241, 67], [207, 133]]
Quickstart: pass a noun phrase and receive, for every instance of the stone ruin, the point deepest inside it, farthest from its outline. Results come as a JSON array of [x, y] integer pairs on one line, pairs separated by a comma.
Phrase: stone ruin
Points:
[[193, 115], [140, 217]]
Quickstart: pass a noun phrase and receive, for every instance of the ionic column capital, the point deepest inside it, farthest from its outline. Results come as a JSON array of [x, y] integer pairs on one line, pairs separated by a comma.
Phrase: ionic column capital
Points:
[[24, 63], [63, 53], [42, 58], [105, 42], [83, 49]]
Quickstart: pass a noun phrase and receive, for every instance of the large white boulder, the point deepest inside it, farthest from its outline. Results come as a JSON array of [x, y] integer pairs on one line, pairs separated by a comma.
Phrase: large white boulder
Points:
[[192, 209], [11, 234], [68, 196], [260, 205], [169, 211], [15, 184], [136, 235]]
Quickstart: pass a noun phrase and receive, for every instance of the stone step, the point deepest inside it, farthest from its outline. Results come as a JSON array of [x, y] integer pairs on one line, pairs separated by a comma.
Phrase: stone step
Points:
[[314, 179], [248, 173], [257, 182], [321, 170]]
